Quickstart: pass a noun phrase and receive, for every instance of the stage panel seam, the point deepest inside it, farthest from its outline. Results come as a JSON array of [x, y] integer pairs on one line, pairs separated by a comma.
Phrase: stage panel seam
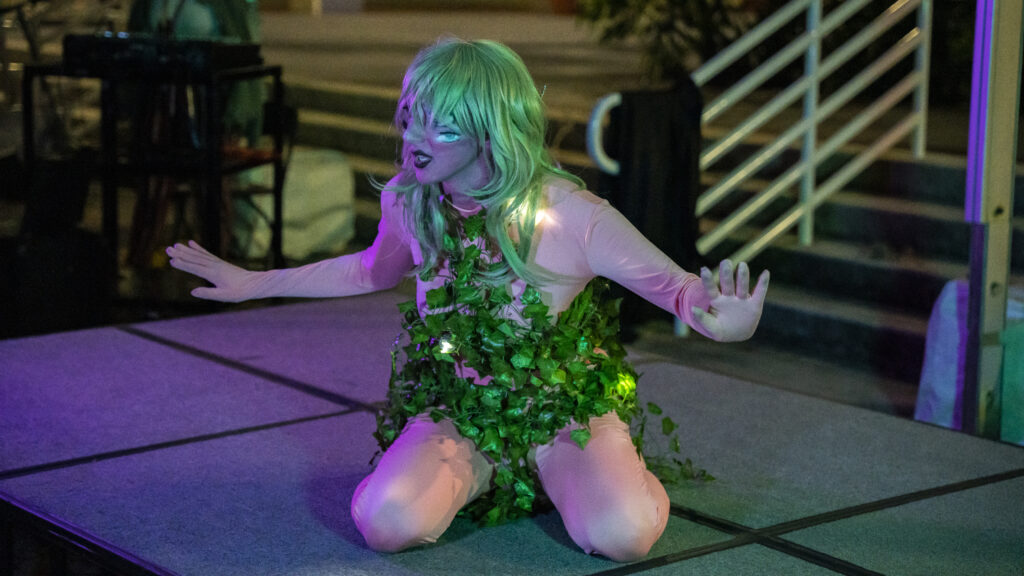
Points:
[[252, 370], [71, 462], [769, 536], [892, 502], [774, 542], [666, 559]]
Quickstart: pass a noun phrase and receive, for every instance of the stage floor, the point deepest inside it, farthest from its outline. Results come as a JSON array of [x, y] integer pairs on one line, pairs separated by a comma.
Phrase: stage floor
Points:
[[230, 444]]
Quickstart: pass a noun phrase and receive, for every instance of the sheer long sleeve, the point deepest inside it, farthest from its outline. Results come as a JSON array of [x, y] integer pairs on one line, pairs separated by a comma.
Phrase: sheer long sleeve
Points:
[[379, 267], [616, 250]]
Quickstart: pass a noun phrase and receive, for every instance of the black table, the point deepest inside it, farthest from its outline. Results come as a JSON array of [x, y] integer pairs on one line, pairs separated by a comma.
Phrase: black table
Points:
[[206, 162]]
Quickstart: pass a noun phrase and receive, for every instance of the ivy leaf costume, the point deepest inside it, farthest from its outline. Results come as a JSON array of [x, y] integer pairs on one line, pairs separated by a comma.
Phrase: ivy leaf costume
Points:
[[532, 378], [506, 369]]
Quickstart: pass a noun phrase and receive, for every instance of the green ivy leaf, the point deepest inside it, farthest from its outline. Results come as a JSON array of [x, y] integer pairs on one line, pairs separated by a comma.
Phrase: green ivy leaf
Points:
[[450, 243], [506, 329], [530, 296], [668, 426], [491, 441], [468, 430], [581, 436], [500, 297], [437, 298], [504, 477], [468, 295], [493, 516], [434, 324], [474, 226], [523, 358]]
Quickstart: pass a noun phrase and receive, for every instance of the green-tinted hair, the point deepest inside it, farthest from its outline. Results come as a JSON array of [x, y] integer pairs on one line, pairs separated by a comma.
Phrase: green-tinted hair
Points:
[[482, 87]]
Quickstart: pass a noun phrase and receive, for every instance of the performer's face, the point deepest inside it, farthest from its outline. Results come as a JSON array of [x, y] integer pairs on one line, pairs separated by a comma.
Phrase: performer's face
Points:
[[440, 152]]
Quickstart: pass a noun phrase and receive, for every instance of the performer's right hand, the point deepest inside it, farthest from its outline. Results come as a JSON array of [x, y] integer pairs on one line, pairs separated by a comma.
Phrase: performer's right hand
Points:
[[230, 283]]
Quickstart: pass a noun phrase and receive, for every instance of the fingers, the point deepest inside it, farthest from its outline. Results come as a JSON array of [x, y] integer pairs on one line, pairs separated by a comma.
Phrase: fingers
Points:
[[191, 257], [762, 287], [215, 293], [725, 278], [709, 282], [734, 281], [187, 260], [195, 245], [742, 280]]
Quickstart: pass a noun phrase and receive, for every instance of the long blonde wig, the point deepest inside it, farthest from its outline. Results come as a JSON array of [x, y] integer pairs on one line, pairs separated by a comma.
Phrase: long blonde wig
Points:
[[484, 88]]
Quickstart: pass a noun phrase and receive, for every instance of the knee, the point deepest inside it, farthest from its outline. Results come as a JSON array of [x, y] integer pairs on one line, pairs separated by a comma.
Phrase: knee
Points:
[[624, 537], [627, 524], [388, 521], [387, 528]]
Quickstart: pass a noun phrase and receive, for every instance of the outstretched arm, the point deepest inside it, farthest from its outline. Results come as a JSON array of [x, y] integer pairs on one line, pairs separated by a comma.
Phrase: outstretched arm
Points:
[[379, 267], [616, 250]]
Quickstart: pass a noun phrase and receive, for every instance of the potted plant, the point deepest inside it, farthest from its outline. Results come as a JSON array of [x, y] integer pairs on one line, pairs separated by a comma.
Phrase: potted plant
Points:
[[673, 34]]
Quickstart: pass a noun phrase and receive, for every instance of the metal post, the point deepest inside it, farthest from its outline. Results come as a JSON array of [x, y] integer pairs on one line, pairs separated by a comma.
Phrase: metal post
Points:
[[811, 61], [922, 61], [991, 166], [108, 166], [276, 240]]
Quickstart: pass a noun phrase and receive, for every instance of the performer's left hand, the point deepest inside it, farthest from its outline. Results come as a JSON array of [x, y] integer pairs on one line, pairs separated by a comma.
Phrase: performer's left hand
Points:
[[734, 311]]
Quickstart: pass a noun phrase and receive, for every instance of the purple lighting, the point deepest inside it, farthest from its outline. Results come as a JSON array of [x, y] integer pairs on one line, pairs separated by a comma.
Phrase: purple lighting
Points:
[[979, 106]]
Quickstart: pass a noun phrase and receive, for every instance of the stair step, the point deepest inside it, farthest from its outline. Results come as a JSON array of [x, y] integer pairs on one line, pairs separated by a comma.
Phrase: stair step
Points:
[[928, 230], [867, 337], [850, 311], [853, 272], [372, 102], [349, 134]]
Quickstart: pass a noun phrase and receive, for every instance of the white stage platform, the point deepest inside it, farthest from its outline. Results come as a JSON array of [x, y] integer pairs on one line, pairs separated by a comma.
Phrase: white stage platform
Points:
[[230, 444]]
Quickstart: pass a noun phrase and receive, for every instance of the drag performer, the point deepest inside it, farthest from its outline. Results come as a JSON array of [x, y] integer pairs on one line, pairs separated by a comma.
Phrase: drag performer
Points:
[[509, 385]]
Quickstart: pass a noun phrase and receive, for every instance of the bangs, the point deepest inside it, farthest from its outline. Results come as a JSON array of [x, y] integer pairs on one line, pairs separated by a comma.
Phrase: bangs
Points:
[[483, 89], [447, 83]]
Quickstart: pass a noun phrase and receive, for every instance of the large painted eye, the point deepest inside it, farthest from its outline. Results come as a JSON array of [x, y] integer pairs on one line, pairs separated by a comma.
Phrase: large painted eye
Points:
[[447, 137]]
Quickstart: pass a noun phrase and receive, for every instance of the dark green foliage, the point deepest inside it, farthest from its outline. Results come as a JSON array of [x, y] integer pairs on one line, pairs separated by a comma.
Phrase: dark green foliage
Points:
[[670, 31]]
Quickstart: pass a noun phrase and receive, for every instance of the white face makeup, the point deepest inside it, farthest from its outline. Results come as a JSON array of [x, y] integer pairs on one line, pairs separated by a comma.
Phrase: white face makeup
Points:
[[440, 153]]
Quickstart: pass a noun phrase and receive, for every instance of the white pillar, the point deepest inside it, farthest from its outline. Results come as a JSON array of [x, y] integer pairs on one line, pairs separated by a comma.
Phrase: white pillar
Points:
[[991, 168]]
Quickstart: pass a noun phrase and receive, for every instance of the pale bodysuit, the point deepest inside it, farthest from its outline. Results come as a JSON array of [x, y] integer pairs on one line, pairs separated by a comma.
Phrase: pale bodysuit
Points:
[[610, 504]]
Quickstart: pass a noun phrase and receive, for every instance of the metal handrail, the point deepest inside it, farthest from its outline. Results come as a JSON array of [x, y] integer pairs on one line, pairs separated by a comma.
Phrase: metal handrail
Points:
[[842, 97], [816, 68]]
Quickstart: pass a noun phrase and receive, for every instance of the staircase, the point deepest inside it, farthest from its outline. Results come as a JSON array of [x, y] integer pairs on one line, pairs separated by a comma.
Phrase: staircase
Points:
[[859, 296]]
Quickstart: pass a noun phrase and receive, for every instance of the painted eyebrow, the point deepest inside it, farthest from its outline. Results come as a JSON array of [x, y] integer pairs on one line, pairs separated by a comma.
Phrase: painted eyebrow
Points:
[[445, 125]]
